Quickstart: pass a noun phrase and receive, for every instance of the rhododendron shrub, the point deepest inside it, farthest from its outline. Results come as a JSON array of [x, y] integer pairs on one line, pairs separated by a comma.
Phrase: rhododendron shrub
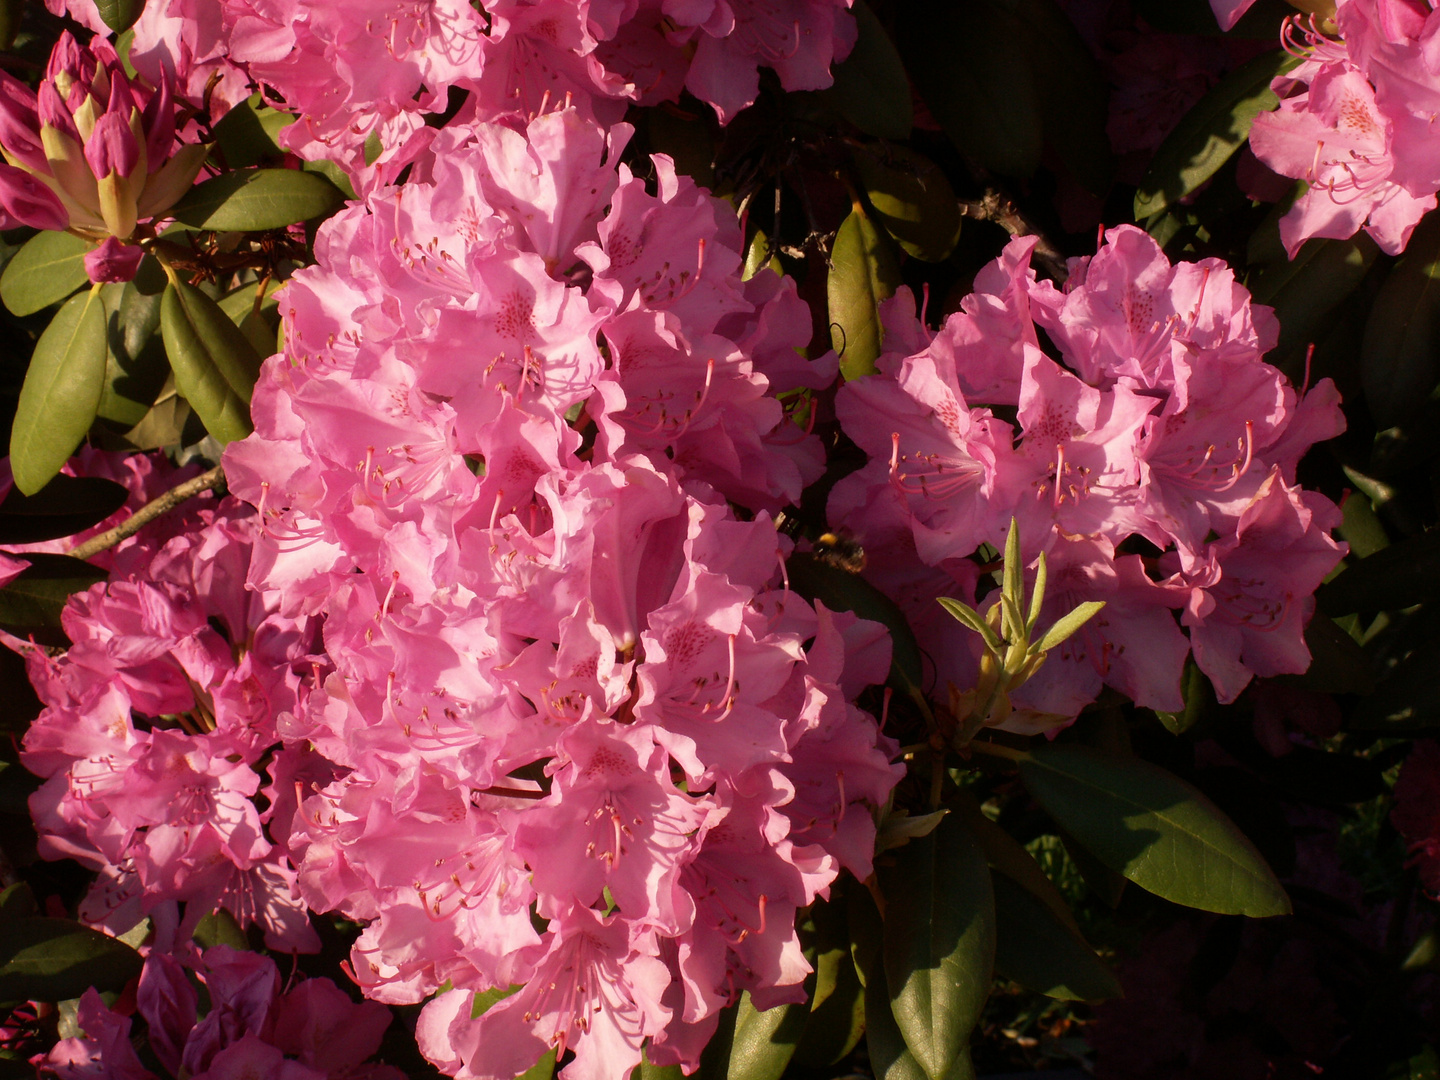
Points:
[[535, 544]]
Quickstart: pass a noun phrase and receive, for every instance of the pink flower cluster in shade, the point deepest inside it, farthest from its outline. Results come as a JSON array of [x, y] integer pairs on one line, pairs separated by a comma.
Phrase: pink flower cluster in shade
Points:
[[1416, 814], [587, 741], [372, 70], [1356, 122], [1130, 426], [159, 735], [252, 1027]]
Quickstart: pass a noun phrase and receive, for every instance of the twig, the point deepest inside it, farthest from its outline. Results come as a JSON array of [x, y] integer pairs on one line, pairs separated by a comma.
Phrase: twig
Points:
[[149, 512], [997, 208]]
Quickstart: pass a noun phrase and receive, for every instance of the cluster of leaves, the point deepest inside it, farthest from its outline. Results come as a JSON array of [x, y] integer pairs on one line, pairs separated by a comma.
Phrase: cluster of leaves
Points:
[[1273, 806]]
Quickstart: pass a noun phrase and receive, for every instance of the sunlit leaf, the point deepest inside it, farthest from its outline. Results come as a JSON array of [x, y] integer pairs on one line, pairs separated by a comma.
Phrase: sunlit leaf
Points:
[[939, 943], [215, 365], [1154, 828], [45, 271], [61, 392], [863, 271], [250, 200]]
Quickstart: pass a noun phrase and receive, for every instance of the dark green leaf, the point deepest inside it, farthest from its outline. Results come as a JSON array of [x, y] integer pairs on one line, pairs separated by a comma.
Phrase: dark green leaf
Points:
[[972, 67], [840, 590], [11, 12], [1073, 92], [215, 365], [864, 270], [63, 507], [135, 363], [1210, 132], [912, 200], [1337, 664], [30, 605], [1400, 352], [61, 392], [889, 1057], [45, 271], [871, 88], [1038, 951], [246, 134], [258, 323], [647, 1071], [1199, 696], [1406, 703], [837, 1009], [220, 928], [1154, 828], [1403, 574], [17, 902], [1306, 292], [753, 1045], [54, 959], [939, 943], [119, 14], [1361, 527], [1004, 853], [251, 200]]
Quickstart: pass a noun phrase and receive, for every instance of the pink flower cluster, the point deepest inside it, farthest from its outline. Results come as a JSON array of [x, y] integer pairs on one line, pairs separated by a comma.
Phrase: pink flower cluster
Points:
[[251, 1028], [1131, 427], [588, 742], [159, 735], [1356, 122], [371, 71]]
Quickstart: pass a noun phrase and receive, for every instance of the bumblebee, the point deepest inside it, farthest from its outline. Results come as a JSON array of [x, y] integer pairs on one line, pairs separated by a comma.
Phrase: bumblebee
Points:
[[841, 550]]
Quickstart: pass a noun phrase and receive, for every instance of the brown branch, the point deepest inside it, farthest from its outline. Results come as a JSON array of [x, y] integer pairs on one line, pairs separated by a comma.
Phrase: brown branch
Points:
[[149, 512], [997, 208]]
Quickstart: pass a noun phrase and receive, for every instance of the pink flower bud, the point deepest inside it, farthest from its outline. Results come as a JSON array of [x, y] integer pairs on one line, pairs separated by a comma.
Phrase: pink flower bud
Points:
[[113, 261], [24, 200], [20, 123]]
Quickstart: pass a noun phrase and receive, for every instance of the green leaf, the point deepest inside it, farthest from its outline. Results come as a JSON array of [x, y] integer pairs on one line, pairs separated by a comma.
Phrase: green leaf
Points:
[[1005, 854], [837, 1008], [119, 15], [971, 65], [1210, 132], [1307, 292], [220, 928], [1403, 574], [864, 271], [54, 959], [45, 271], [1400, 352], [1338, 665], [974, 620], [135, 364], [912, 200], [1073, 93], [840, 590], [251, 200], [61, 392], [246, 134], [1041, 953], [939, 943], [542, 1069], [1069, 623], [17, 902], [258, 324], [647, 1071], [753, 1045], [871, 88], [215, 365], [1406, 703], [1154, 828], [890, 1059], [1199, 696], [30, 605], [63, 507]]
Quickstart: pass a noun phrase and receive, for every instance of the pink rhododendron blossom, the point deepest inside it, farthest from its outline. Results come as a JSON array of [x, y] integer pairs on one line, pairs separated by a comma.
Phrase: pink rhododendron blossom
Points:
[[311, 1032], [156, 721], [1355, 122], [1157, 422], [1416, 814], [572, 719]]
